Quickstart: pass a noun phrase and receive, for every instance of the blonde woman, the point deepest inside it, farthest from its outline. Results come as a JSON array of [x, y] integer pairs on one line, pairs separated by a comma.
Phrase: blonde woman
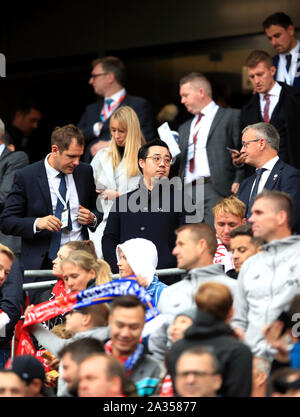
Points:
[[81, 270], [115, 167]]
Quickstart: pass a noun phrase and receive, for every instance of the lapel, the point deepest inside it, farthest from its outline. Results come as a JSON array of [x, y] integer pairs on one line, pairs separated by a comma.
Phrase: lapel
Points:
[[79, 183], [279, 104], [5, 153], [215, 122], [44, 185], [274, 176]]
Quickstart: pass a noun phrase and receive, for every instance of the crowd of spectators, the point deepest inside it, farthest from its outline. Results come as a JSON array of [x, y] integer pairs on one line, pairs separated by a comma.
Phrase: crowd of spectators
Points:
[[110, 198]]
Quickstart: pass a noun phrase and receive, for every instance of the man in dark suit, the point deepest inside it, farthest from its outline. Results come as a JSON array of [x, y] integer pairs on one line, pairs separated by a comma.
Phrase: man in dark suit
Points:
[[280, 31], [260, 149], [52, 201], [153, 211], [10, 162], [203, 141], [108, 80], [274, 102]]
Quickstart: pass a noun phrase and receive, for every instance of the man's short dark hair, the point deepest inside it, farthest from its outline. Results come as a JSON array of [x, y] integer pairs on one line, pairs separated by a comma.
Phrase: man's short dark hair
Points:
[[201, 231], [144, 150], [114, 65], [82, 348], [200, 350], [258, 56], [63, 136], [127, 301], [25, 105], [245, 230], [282, 201], [278, 19]]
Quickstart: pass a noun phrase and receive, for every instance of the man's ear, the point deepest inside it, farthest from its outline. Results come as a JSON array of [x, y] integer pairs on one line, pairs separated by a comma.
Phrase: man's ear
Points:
[[141, 163], [244, 221]]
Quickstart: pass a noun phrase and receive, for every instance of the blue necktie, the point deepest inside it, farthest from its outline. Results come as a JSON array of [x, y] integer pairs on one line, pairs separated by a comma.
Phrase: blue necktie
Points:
[[288, 61], [56, 236], [259, 173]]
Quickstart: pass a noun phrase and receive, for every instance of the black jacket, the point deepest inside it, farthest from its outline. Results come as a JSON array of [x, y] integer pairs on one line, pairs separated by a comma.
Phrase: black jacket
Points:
[[235, 358]]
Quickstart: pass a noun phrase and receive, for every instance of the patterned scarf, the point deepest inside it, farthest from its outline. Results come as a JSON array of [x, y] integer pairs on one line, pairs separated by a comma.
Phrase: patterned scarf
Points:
[[131, 360]]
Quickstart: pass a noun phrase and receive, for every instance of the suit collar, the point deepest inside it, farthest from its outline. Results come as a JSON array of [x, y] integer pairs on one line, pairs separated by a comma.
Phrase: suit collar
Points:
[[5, 152], [274, 176]]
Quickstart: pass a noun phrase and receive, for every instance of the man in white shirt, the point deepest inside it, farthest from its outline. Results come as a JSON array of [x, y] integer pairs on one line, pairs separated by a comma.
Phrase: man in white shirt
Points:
[[260, 149], [108, 81], [203, 141], [275, 103], [52, 201], [280, 31]]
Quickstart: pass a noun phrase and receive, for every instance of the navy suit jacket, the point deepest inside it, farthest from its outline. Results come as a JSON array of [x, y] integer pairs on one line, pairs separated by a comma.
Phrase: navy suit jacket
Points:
[[296, 82], [30, 198], [283, 177], [285, 117], [91, 115], [150, 221]]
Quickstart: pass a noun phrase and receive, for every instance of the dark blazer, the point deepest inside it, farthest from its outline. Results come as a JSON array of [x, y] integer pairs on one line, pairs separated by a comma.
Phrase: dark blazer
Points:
[[296, 82], [91, 115], [285, 118], [283, 177], [224, 132], [30, 198], [10, 162], [158, 225]]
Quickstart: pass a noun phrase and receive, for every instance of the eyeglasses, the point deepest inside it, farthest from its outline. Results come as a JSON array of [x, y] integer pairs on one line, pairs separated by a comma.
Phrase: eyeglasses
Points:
[[157, 160], [97, 75], [245, 144], [196, 374]]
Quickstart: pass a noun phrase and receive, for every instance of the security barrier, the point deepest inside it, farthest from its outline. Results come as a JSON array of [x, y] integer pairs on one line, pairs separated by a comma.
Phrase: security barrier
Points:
[[49, 273]]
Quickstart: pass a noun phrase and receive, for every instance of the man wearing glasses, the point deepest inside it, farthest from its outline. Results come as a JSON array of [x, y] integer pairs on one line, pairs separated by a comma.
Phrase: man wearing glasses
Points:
[[153, 211], [260, 149], [108, 79]]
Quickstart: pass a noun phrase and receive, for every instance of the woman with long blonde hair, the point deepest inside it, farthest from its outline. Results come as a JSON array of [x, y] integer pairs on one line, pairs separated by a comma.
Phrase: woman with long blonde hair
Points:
[[116, 167]]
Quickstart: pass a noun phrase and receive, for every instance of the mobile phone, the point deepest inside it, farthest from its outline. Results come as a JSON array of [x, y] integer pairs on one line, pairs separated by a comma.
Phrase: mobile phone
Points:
[[286, 319], [232, 150]]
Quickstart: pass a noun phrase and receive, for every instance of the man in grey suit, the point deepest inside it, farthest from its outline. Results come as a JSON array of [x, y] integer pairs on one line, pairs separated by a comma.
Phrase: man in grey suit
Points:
[[204, 142], [10, 162]]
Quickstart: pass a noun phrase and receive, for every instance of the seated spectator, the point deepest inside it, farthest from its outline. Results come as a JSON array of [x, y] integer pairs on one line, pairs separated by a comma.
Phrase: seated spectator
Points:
[[32, 372], [181, 323], [60, 289], [195, 248], [139, 257], [211, 329], [126, 322], [197, 373], [260, 373], [81, 270], [229, 213], [115, 167], [284, 382], [90, 321], [71, 356], [11, 299], [11, 385], [101, 376], [243, 245]]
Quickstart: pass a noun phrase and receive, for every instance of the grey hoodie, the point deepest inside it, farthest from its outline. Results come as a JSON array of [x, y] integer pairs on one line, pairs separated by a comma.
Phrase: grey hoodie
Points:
[[180, 296], [267, 283], [54, 344]]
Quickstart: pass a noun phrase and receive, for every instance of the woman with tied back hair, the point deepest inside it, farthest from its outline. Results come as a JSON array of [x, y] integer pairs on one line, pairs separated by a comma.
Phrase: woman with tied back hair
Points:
[[60, 288], [116, 166], [81, 270]]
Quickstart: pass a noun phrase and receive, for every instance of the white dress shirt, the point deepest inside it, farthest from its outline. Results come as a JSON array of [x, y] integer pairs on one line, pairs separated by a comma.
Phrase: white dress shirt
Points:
[[115, 97], [282, 74], [2, 147], [202, 129], [54, 181], [265, 175], [274, 94]]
